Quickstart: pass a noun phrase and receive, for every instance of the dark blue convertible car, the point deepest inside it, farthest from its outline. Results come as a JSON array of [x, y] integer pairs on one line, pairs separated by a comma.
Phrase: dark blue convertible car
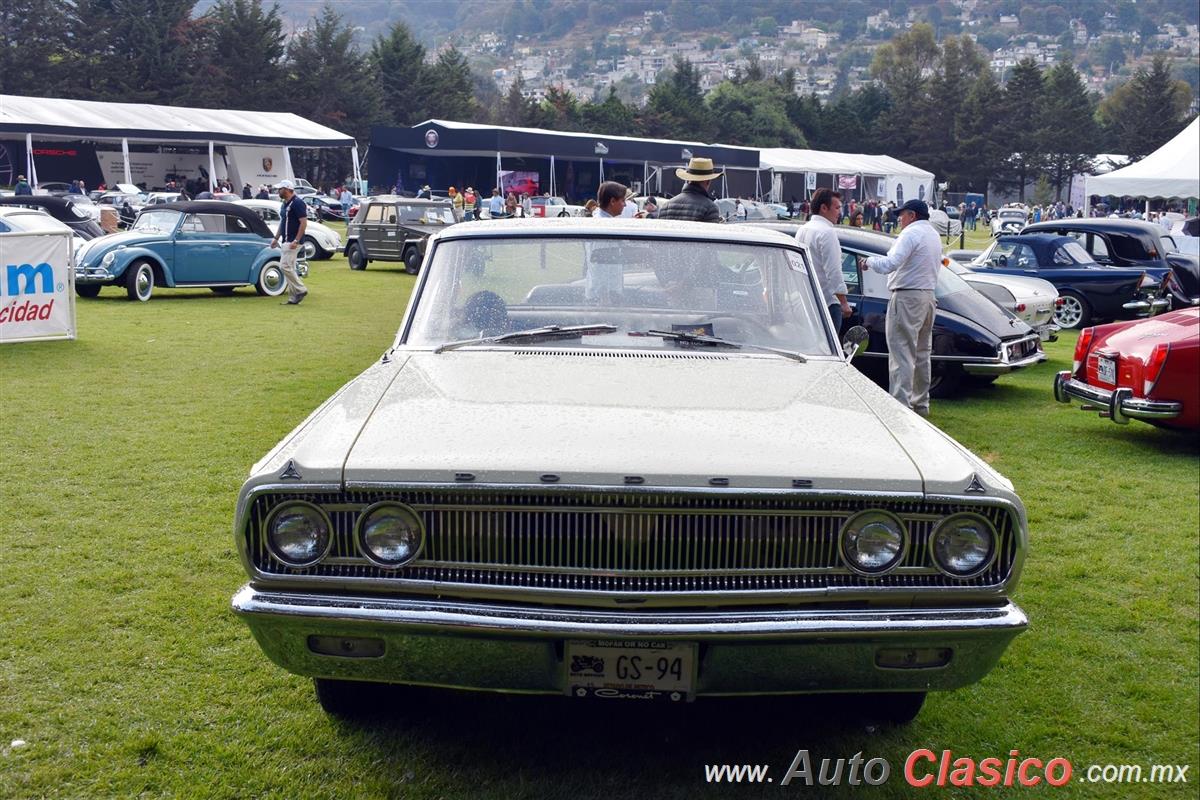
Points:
[[1088, 290]]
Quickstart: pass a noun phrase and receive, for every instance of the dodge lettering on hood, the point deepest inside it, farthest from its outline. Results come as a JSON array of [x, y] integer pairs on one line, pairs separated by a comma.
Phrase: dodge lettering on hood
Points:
[[626, 458]]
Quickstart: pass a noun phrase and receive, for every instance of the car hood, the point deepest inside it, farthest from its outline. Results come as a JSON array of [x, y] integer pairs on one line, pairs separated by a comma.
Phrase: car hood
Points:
[[102, 244], [536, 417]]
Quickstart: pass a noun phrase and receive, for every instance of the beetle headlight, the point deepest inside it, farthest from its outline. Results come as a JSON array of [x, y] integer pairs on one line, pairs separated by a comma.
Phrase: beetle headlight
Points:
[[298, 534], [873, 542], [963, 545], [109, 258], [390, 534]]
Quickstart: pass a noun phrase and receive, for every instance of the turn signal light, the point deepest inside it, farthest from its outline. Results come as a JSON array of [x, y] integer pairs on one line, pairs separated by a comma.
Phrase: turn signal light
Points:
[[1081, 348], [1154, 366]]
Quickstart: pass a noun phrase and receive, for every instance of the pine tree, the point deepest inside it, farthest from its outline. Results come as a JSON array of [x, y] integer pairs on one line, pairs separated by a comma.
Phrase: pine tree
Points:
[[328, 82], [398, 61], [979, 150], [450, 88], [1068, 124], [240, 60], [675, 107], [517, 110], [128, 50], [1147, 111], [34, 32], [1020, 129]]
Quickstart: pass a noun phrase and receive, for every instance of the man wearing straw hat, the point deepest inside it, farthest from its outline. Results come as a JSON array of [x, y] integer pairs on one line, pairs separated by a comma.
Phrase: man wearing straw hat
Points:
[[694, 202]]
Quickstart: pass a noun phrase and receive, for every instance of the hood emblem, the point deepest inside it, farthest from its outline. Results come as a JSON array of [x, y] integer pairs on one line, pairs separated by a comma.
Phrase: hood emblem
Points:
[[975, 487], [290, 473]]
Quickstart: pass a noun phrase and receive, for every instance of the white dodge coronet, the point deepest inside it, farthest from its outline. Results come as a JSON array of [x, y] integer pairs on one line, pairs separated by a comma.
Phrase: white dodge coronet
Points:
[[626, 459]]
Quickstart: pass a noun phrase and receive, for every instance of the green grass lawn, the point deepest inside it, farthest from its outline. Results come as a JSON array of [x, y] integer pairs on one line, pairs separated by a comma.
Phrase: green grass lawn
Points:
[[125, 673]]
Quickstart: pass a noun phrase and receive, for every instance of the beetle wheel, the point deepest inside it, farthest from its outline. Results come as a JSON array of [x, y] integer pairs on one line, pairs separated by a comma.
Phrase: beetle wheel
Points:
[[139, 281]]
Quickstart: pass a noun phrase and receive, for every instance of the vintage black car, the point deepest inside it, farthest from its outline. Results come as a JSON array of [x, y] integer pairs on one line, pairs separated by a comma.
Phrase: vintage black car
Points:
[[393, 228], [1135, 244], [62, 209], [974, 340], [1087, 289]]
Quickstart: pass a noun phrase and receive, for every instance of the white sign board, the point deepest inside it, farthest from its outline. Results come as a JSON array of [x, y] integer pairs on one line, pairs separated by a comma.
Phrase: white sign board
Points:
[[256, 165], [153, 170], [37, 287]]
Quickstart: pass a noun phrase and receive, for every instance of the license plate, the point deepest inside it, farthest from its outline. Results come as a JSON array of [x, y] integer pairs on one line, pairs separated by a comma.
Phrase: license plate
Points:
[[1106, 370], [631, 670]]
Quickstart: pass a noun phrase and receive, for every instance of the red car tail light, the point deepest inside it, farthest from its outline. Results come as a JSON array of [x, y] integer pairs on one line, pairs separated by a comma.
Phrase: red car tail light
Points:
[[1058, 302], [1154, 366], [1020, 307], [1081, 348]]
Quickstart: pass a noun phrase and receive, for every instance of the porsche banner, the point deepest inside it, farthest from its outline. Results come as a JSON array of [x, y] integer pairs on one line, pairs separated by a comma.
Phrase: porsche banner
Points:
[[37, 287]]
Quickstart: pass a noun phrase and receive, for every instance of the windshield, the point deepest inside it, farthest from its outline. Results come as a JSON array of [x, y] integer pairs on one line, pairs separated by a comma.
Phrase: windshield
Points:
[[756, 295], [426, 215], [949, 283], [156, 221], [1012, 214]]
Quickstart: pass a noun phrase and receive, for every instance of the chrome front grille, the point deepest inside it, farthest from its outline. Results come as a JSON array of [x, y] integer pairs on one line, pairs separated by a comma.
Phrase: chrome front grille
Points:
[[613, 542]]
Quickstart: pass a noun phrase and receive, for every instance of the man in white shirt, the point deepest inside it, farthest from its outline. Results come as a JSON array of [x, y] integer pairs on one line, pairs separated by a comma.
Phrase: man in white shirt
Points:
[[819, 234], [912, 265], [604, 281]]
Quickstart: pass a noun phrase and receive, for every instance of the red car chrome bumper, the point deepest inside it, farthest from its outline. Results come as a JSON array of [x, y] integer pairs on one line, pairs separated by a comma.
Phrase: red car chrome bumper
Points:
[[1118, 404]]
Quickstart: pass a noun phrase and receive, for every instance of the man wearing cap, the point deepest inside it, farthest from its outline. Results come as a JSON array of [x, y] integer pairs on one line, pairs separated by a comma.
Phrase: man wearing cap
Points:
[[22, 186], [912, 265], [293, 219], [694, 202]]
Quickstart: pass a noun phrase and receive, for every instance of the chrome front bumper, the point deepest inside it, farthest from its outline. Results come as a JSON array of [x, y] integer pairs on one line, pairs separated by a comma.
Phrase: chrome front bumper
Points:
[[95, 274], [513, 648], [1118, 404], [1003, 367]]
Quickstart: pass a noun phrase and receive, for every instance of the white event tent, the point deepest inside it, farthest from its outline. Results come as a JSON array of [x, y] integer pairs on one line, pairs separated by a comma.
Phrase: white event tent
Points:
[[875, 177], [1172, 170], [248, 134]]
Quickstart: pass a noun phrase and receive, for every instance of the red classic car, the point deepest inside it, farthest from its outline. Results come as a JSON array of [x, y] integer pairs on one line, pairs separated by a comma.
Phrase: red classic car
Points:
[[1146, 369]]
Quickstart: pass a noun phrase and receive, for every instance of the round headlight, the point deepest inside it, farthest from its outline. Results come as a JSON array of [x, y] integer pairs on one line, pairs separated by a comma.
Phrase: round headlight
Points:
[[109, 258], [390, 534], [873, 542], [963, 545], [298, 534]]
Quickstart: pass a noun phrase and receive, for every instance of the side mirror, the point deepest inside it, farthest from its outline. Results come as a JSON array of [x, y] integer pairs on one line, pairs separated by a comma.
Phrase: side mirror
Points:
[[855, 342]]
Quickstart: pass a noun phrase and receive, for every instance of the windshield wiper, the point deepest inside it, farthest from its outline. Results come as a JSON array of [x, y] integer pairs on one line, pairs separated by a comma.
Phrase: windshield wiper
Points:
[[716, 341], [543, 334]]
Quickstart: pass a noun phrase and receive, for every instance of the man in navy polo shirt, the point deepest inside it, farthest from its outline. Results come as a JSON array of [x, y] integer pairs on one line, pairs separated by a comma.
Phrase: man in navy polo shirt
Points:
[[293, 219]]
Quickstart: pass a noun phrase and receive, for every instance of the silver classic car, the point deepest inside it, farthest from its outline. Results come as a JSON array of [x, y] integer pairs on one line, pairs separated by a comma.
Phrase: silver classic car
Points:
[[625, 459]]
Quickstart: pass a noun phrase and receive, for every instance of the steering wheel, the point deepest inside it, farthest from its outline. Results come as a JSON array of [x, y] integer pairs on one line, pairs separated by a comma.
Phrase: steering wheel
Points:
[[486, 311], [741, 322]]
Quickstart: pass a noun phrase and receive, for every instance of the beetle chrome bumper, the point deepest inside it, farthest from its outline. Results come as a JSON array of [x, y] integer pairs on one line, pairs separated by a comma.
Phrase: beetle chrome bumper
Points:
[[500, 647], [95, 274], [1002, 367], [1117, 404]]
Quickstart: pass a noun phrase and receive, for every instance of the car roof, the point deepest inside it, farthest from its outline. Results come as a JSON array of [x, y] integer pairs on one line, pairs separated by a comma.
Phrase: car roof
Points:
[[43, 200], [254, 221], [617, 226], [418, 201], [30, 220], [1097, 224]]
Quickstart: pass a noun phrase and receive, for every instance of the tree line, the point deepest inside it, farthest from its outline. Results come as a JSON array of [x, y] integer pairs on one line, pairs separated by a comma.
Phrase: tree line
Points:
[[936, 104]]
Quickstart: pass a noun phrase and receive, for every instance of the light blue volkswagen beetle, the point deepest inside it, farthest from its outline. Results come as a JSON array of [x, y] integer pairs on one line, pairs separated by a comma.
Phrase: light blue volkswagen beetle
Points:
[[202, 243]]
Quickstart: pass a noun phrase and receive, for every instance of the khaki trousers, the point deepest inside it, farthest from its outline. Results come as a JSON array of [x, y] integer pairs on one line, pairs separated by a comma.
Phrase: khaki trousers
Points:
[[910, 343], [287, 262]]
